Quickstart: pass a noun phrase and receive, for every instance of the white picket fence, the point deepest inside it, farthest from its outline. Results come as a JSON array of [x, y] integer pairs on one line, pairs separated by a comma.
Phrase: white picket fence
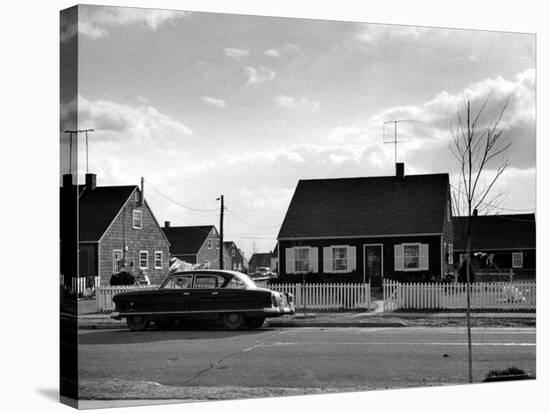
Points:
[[496, 295], [326, 296], [104, 295], [78, 284], [341, 296]]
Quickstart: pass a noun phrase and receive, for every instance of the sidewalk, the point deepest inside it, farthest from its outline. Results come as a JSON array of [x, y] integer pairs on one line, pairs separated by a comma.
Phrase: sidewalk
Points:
[[356, 320]]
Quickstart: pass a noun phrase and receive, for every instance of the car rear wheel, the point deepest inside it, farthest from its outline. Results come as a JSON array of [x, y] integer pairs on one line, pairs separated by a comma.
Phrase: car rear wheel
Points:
[[137, 323], [233, 321], [255, 323]]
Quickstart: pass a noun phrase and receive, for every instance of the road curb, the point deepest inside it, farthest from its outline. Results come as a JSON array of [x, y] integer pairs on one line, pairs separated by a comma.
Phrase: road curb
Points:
[[278, 325]]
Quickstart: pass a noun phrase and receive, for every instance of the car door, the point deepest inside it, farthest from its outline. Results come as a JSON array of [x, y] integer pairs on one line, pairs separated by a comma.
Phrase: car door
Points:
[[174, 297], [207, 295]]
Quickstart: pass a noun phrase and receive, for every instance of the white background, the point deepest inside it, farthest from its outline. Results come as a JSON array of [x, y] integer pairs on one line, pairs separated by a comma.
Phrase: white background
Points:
[[29, 203]]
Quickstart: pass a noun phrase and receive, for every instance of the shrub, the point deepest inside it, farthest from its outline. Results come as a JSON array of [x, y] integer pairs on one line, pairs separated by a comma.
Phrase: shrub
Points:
[[122, 279], [508, 374]]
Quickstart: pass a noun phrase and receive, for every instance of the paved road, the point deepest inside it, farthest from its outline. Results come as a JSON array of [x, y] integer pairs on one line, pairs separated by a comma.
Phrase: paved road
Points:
[[297, 358]]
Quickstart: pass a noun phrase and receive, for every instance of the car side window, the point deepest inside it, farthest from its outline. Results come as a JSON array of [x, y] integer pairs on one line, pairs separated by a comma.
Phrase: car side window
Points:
[[179, 282], [235, 283], [208, 281]]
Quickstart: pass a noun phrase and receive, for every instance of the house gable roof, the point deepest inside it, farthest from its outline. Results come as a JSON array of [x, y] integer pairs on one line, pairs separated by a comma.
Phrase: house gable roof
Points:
[[260, 260], [507, 231], [186, 239], [98, 208], [367, 206]]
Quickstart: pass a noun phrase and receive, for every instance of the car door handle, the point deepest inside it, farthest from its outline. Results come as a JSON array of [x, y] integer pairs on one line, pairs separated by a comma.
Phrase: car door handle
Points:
[[185, 293], [214, 293]]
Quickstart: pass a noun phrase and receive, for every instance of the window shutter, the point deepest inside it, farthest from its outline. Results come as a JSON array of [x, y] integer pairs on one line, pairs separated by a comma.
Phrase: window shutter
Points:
[[327, 259], [314, 259], [290, 262], [351, 265], [424, 259], [398, 257]]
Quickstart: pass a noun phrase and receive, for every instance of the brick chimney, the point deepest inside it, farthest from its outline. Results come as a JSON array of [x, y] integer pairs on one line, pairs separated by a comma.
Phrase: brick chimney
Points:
[[399, 170], [67, 180], [166, 224], [475, 212], [91, 181]]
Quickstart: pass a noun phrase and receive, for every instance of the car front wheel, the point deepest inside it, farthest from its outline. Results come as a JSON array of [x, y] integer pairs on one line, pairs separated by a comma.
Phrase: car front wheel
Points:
[[137, 323], [233, 321]]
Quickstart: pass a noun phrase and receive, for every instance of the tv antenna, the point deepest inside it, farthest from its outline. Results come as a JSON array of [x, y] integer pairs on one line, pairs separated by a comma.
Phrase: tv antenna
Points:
[[394, 141]]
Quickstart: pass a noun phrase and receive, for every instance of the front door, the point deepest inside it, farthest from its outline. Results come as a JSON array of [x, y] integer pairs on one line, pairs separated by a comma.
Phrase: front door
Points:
[[373, 264]]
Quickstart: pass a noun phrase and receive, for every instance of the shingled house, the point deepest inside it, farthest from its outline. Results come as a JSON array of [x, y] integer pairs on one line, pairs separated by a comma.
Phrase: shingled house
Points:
[[236, 256], [198, 245], [364, 229], [499, 242], [117, 230], [259, 260]]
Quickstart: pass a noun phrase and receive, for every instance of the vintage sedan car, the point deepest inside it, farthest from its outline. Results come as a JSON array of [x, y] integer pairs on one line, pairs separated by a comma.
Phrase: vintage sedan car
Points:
[[202, 295]]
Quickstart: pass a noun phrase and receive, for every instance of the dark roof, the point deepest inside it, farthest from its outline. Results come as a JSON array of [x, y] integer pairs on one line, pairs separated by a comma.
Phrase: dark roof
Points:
[[507, 231], [186, 239], [367, 206], [260, 260], [275, 252], [99, 207]]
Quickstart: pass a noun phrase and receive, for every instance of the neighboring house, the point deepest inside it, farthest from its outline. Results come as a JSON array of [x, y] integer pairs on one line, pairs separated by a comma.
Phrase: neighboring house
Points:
[[275, 259], [364, 229], [259, 260], [118, 231], [236, 257], [499, 242], [199, 245]]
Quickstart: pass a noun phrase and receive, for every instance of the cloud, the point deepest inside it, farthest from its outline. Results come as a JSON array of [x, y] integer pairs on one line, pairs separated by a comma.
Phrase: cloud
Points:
[[220, 103], [285, 101], [94, 21], [375, 33], [122, 123], [431, 130], [272, 53], [236, 53], [260, 75]]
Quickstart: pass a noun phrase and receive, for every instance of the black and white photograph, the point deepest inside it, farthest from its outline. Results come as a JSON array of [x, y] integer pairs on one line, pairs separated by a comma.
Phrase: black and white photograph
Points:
[[258, 206]]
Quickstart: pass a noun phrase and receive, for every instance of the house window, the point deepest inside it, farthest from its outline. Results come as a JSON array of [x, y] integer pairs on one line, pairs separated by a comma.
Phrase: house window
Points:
[[411, 256], [232, 252], [234, 266], [137, 219], [209, 243], [117, 261], [158, 260], [217, 244], [302, 259], [143, 259], [136, 196], [339, 259], [451, 253], [517, 260]]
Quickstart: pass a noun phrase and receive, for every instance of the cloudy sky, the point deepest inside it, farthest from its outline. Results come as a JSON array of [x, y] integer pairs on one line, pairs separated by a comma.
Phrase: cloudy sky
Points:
[[203, 104]]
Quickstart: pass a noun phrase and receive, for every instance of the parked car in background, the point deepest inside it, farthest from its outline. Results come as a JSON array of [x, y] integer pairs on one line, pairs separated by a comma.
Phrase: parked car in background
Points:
[[202, 295], [263, 273]]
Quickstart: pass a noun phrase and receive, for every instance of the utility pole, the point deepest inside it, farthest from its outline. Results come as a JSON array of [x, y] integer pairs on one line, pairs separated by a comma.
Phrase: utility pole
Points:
[[76, 131], [395, 141], [221, 230]]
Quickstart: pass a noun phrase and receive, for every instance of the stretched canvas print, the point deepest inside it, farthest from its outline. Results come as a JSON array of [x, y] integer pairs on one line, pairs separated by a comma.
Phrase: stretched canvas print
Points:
[[266, 206]]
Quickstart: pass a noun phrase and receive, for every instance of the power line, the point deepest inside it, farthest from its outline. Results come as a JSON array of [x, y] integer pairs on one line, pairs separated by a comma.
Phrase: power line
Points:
[[180, 204], [250, 224]]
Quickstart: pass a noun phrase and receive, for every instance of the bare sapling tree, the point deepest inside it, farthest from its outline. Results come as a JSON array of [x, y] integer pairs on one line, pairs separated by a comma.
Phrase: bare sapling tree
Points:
[[480, 152]]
